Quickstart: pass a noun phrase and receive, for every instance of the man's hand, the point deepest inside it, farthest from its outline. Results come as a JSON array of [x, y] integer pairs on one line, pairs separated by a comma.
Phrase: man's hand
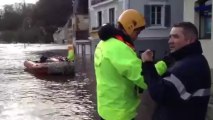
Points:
[[147, 55]]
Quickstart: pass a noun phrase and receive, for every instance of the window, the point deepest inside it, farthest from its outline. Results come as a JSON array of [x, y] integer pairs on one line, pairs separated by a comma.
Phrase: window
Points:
[[112, 15], [206, 32], [99, 18], [204, 11], [158, 15]]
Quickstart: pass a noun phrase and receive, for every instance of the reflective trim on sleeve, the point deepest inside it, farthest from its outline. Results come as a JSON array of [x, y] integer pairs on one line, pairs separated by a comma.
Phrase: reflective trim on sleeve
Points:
[[182, 90]]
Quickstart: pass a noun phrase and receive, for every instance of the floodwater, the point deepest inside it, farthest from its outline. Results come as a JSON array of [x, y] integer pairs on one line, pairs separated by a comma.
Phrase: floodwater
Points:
[[24, 96]]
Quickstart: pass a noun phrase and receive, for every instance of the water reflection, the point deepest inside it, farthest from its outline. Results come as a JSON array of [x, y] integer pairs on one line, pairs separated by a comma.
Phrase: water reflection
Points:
[[24, 96]]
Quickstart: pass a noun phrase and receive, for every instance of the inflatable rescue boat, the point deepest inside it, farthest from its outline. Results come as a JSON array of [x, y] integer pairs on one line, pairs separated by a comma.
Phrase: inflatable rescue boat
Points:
[[53, 67]]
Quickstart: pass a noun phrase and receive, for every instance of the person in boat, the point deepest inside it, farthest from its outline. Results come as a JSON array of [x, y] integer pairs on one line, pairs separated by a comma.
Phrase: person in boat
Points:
[[44, 59], [70, 56]]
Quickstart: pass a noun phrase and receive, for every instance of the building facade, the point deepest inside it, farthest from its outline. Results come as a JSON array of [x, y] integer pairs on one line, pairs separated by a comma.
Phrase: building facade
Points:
[[77, 25], [102, 12], [159, 15]]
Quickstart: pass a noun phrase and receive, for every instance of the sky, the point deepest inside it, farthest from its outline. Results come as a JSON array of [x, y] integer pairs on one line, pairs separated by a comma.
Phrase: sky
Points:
[[3, 2]]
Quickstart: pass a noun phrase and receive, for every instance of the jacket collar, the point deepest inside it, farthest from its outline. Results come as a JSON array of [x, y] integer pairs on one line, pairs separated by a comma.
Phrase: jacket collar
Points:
[[125, 38], [107, 31], [126, 42], [191, 49]]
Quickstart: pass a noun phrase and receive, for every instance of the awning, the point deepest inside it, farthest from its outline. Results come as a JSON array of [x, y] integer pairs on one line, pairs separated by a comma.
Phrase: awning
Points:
[[203, 8]]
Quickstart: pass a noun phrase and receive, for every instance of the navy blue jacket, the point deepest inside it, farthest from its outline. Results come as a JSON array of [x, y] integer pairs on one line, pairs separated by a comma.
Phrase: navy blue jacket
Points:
[[183, 92]]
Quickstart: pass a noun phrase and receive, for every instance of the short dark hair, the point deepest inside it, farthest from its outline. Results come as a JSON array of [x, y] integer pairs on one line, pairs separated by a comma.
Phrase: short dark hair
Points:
[[189, 29]]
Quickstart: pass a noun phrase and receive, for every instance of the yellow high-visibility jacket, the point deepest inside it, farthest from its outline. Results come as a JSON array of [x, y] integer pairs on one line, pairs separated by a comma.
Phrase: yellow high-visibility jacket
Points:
[[118, 72], [71, 55]]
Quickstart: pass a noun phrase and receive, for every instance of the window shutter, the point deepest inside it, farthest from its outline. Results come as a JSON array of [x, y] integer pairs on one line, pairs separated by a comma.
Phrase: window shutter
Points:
[[147, 14], [167, 16]]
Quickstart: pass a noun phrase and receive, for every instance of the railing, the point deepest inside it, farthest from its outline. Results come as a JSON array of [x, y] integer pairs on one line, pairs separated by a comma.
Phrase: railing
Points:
[[81, 46]]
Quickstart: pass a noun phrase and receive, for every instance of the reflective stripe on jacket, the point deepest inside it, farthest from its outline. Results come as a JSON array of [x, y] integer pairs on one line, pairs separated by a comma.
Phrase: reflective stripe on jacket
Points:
[[183, 92]]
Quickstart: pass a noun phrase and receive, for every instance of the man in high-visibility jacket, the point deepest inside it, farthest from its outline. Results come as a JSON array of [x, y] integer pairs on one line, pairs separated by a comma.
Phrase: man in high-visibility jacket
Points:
[[118, 69]]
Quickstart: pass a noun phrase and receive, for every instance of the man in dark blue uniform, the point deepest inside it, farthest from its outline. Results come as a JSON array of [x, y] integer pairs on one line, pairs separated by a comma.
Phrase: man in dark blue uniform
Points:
[[184, 90]]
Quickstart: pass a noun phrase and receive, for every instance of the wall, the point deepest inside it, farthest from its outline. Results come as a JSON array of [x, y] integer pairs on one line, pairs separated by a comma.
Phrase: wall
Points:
[[176, 16], [104, 8]]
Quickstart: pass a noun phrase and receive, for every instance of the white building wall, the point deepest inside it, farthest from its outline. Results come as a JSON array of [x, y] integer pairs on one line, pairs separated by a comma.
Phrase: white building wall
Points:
[[117, 4], [207, 46], [189, 10]]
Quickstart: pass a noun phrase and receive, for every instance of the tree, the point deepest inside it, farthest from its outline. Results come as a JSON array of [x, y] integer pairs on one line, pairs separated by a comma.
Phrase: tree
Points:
[[46, 14], [52, 14], [10, 19]]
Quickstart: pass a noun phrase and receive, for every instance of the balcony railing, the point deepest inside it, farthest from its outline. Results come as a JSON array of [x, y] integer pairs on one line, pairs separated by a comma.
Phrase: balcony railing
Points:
[[93, 2]]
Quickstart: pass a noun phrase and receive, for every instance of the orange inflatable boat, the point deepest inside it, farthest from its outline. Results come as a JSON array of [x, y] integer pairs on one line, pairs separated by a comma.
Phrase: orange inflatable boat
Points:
[[53, 67]]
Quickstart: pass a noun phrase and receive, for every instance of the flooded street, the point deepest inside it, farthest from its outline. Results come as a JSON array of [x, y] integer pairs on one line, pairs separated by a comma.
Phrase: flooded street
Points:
[[24, 96]]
